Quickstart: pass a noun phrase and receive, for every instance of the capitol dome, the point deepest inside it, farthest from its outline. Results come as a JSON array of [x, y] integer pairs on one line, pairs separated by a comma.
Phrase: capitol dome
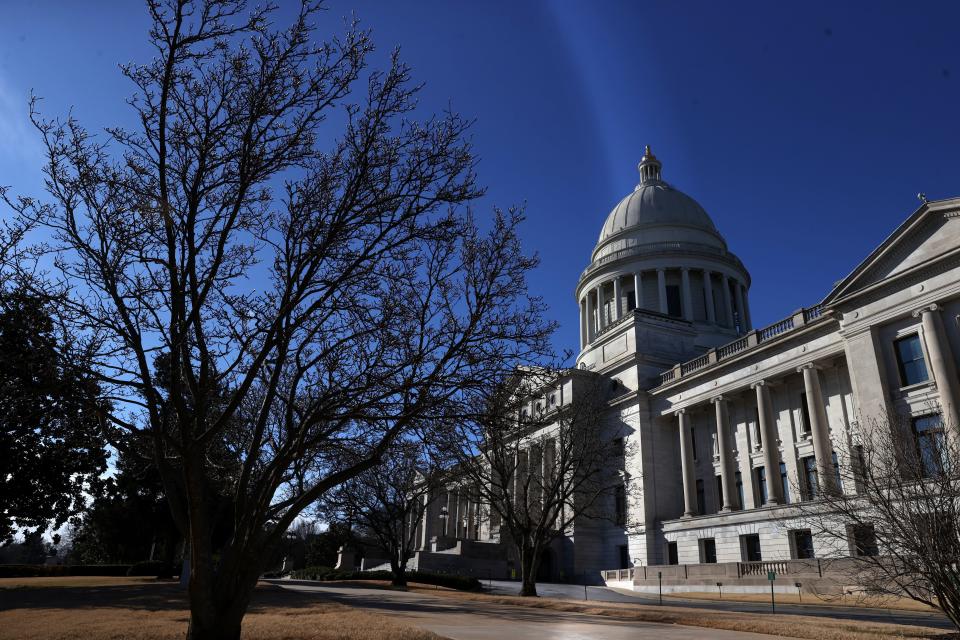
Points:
[[655, 212], [659, 253]]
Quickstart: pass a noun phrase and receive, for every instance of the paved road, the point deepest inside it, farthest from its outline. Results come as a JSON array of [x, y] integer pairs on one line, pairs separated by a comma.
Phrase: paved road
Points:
[[606, 594], [472, 620]]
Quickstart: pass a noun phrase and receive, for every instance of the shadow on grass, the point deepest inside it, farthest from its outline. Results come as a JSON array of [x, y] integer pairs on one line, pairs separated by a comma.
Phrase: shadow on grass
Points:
[[159, 596]]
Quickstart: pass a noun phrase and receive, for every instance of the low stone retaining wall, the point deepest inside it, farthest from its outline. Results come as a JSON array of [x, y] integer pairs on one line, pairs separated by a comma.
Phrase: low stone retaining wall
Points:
[[823, 576]]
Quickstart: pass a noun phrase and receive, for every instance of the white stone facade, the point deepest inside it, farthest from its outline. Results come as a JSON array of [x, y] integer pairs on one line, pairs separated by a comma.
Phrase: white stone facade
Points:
[[709, 405]]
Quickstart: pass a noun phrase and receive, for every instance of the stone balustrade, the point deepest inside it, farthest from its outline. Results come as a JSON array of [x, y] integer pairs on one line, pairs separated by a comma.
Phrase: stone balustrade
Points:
[[799, 319]]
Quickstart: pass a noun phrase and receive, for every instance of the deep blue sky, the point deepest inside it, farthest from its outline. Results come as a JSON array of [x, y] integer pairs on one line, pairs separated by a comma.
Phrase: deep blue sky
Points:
[[805, 130]]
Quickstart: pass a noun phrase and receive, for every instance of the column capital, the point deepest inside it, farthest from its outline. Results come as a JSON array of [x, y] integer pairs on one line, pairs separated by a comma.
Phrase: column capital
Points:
[[759, 383], [661, 269], [680, 412], [926, 309], [809, 365], [687, 269], [717, 399]]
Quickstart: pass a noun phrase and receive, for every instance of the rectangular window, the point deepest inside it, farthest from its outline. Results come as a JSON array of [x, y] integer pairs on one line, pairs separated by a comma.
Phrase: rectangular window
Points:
[[750, 548], [620, 499], [802, 544], [931, 445], [624, 556], [864, 539], [631, 301], [693, 442], [760, 475], [805, 416], [673, 301], [672, 557], [912, 366], [859, 463], [836, 471], [739, 482], [810, 485], [785, 483], [720, 490], [708, 551], [758, 435], [618, 448], [701, 509]]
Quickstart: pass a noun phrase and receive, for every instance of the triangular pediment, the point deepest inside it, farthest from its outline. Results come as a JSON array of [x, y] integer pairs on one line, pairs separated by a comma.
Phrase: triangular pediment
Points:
[[930, 234]]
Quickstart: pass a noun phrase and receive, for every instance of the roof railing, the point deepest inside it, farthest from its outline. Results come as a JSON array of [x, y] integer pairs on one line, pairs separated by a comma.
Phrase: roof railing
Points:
[[800, 318]]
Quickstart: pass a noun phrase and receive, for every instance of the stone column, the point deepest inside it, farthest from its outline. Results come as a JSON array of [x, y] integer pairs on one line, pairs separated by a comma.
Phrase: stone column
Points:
[[748, 324], [738, 296], [686, 465], [583, 323], [687, 298], [944, 369], [728, 303], [638, 289], [599, 294], [726, 455], [426, 532], [591, 318], [708, 295], [819, 427], [771, 455], [616, 298], [662, 289]]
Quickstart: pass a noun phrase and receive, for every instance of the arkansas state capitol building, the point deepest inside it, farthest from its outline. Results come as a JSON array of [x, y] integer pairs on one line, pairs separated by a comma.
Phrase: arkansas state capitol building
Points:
[[730, 424]]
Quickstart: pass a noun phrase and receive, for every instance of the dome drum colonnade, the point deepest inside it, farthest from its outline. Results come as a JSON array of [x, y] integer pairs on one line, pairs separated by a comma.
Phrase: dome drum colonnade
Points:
[[660, 251], [725, 300]]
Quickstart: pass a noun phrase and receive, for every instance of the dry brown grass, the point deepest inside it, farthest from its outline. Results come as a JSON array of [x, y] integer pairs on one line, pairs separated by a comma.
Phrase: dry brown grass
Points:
[[50, 582], [789, 626], [102, 609]]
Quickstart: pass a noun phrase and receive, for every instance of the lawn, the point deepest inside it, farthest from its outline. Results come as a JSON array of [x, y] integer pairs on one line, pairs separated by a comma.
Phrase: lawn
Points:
[[90, 608], [785, 626]]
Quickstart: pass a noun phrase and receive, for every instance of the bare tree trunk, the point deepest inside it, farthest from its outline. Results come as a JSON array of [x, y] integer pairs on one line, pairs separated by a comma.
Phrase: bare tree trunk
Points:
[[219, 603], [529, 562], [399, 570]]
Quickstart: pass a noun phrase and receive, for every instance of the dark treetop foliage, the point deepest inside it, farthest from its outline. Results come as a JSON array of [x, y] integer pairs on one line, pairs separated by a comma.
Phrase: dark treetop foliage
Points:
[[51, 420], [316, 283]]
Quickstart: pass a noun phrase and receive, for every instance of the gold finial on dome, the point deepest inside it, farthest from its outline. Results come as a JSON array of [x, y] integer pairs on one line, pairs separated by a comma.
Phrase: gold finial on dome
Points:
[[649, 166]]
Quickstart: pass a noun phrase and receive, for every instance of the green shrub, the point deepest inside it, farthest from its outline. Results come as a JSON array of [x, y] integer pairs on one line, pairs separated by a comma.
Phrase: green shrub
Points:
[[154, 568], [461, 583], [47, 570], [310, 573]]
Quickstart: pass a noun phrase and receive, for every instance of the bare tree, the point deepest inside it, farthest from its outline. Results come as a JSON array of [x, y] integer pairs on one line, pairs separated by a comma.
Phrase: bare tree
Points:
[[388, 501], [542, 462], [312, 302], [897, 508]]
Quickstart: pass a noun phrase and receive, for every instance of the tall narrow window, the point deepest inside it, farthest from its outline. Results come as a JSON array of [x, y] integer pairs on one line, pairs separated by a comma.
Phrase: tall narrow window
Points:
[[760, 473], [931, 445], [701, 508], [785, 483], [620, 499], [672, 556], [802, 544], [631, 301], [912, 366], [708, 550], [674, 307], [805, 417], [810, 484], [739, 482]]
